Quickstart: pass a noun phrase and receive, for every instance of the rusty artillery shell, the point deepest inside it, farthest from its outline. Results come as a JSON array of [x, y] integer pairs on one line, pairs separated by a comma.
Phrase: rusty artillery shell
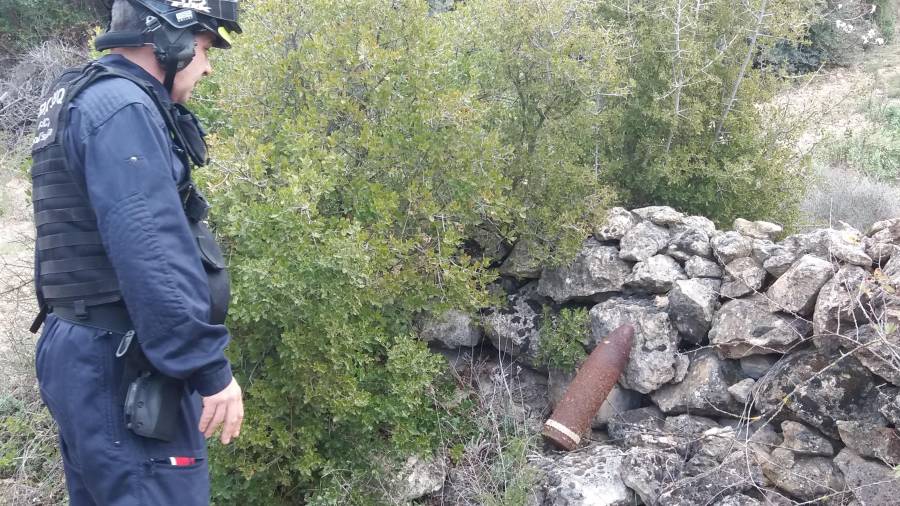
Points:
[[595, 378]]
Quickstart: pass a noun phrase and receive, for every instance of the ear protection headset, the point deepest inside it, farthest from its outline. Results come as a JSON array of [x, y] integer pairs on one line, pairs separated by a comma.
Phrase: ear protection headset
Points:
[[170, 26]]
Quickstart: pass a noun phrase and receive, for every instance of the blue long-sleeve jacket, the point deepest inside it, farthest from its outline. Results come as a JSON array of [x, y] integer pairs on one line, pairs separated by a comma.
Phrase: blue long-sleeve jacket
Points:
[[117, 141]]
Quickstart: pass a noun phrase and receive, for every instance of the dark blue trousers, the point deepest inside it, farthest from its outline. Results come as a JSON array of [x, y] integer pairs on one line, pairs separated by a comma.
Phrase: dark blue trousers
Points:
[[105, 463]]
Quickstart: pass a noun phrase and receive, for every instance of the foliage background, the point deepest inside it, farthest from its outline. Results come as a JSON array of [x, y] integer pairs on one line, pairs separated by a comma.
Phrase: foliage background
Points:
[[369, 150], [366, 145], [26, 23]]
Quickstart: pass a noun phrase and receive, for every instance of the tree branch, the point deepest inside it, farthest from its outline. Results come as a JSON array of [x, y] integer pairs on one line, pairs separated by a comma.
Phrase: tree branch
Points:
[[740, 77]]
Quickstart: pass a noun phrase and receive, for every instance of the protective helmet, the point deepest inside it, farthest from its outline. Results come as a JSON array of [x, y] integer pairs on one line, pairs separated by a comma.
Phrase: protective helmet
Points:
[[170, 27]]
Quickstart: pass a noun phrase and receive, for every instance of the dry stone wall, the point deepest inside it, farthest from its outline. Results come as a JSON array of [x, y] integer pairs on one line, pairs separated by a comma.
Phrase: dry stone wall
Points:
[[763, 371]]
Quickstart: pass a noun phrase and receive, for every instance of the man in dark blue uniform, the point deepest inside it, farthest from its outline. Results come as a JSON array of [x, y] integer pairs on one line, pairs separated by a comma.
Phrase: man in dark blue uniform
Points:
[[131, 283]]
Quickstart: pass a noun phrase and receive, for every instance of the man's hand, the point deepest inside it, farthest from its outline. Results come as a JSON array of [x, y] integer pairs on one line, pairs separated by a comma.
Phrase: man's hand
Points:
[[225, 406]]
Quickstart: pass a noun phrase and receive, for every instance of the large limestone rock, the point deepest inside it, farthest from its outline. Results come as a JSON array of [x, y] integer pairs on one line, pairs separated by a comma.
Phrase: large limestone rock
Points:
[[417, 478], [747, 327], [739, 500], [806, 478], [515, 329], [742, 390], [797, 289], [618, 222], [730, 246], [720, 461], [631, 428], [699, 267], [883, 241], [701, 223], [710, 478], [688, 243], [596, 269], [618, 401], [744, 276], [590, 477], [653, 353], [757, 229], [871, 483], [660, 215], [878, 350], [840, 306], [879, 252], [777, 265], [648, 470], [803, 440], [846, 245], [688, 431], [812, 243], [879, 226], [656, 274], [713, 284], [691, 308], [765, 249], [705, 388], [889, 400], [492, 245], [843, 244], [521, 262], [453, 329], [643, 241], [871, 441], [819, 390]]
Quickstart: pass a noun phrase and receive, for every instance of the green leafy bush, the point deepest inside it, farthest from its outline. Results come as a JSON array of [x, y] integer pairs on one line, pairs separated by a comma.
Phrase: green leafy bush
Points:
[[563, 337], [690, 133], [874, 150], [363, 144], [26, 23], [885, 18]]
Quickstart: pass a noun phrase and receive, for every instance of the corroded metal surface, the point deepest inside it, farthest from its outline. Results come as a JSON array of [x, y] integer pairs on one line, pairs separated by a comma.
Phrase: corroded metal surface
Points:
[[596, 377]]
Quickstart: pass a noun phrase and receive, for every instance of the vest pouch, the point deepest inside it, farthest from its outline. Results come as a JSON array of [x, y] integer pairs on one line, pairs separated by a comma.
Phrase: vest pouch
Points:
[[214, 264], [192, 135], [210, 252]]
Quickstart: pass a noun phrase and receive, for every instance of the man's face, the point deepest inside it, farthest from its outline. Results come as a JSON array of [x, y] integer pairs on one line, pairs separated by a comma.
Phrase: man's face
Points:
[[186, 79]]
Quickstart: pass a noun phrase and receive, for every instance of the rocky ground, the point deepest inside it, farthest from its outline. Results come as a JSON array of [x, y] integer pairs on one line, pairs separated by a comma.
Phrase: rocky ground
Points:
[[761, 372]]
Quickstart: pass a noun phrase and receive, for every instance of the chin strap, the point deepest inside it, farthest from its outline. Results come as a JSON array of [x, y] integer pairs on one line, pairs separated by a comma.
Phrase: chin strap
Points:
[[171, 70]]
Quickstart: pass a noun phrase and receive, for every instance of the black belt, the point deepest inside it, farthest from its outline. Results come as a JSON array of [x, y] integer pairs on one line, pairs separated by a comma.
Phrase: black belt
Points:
[[112, 317]]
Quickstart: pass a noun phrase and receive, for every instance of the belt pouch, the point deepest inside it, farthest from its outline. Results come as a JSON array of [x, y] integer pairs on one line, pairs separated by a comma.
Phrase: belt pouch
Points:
[[152, 400], [152, 406]]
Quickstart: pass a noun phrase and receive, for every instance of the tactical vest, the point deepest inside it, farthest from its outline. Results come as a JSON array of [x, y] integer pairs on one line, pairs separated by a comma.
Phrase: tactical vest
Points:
[[74, 272]]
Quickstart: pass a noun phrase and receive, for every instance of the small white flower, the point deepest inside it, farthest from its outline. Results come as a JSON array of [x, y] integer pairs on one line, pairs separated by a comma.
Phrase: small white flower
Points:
[[879, 41]]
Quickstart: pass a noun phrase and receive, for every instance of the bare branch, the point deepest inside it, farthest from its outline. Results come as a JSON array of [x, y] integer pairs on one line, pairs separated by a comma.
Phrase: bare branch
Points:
[[740, 77]]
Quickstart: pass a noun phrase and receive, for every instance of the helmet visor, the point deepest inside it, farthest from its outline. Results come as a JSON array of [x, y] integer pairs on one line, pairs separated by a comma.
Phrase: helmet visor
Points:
[[222, 31]]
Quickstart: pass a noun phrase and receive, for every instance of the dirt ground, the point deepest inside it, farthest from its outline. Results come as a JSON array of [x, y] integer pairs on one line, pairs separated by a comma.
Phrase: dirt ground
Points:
[[17, 305], [834, 102]]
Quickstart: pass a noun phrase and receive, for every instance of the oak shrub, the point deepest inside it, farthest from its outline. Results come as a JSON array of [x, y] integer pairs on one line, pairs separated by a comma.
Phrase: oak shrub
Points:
[[361, 145]]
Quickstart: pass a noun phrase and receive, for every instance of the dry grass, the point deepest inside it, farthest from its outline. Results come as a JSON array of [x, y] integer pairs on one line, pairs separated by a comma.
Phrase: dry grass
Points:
[[839, 194], [27, 82], [490, 463], [30, 467]]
